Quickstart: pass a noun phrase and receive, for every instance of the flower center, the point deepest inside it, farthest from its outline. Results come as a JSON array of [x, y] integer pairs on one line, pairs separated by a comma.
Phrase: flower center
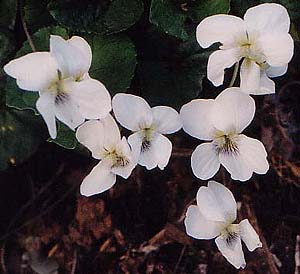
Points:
[[226, 143], [147, 136], [251, 50], [230, 233], [117, 158], [58, 88]]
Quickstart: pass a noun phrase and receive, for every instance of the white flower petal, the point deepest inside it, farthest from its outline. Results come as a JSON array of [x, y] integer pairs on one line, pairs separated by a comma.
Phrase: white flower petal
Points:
[[250, 76], [158, 154], [267, 86], [226, 29], [67, 111], [197, 226], [34, 71], [91, 135], [249, 235], [278, 48], [233, 110], [163, 147], [92, 98], [45, 106], [72, 60], [124, 149], [135, 141], [196, 120], [254, 80], [166, 119], [111, 132], [216, 203], [254, 154], [277, 71], [268, 17], [131, 111], [99, 180], [251, 157], [205, 161], [237, 166], [84, 48], [232, 252], [218, 61]]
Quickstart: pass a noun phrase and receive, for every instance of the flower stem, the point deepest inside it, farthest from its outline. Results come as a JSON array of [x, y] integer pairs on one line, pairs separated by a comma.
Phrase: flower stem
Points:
[[21, 7], [234, 75]]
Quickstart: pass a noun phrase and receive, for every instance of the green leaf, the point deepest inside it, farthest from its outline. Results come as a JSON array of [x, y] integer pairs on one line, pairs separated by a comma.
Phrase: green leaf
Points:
[[122, 14], [175, 79], [65, 137], [7, 45], [173, 18], [96, 16], [8, 11], [201, 9], [18, 98], [86, 16], [114, 61], [21, 132], [169, 18], [36, 14]]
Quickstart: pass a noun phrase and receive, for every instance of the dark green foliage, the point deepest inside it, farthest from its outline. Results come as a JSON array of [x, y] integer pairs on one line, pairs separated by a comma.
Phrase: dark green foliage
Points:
[[174, 17], [172, 75], [114, 61], [36, 14], [96, 16], [8, 9], [21, 132]]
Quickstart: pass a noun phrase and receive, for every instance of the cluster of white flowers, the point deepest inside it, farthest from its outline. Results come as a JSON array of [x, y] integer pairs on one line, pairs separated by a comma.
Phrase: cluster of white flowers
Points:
[[263, 42], [67, 92]]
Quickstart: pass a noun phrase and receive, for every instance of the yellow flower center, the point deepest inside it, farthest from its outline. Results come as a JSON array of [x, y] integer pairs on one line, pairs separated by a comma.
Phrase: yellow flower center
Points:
[[226, 142], [116, 157], [251, 50], [147, 134], [230, 233]]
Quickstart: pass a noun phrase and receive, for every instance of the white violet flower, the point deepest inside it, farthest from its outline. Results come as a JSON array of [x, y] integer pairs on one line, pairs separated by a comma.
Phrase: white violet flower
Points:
[[262, 39], [103, 139], [150, 147], [213, 217], [62, 80], [222, 121]]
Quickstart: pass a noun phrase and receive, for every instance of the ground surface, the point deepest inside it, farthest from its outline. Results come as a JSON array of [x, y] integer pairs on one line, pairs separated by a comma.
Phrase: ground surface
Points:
[[136, 227]]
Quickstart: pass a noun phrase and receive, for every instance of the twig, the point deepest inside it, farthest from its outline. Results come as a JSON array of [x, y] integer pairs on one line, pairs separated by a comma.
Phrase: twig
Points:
[[21, 7], [2, 259], [30, 202], [182, 215], [74, 263], [234, 75], [39, 215], [297, 255], [179, 259], [263, 252]]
